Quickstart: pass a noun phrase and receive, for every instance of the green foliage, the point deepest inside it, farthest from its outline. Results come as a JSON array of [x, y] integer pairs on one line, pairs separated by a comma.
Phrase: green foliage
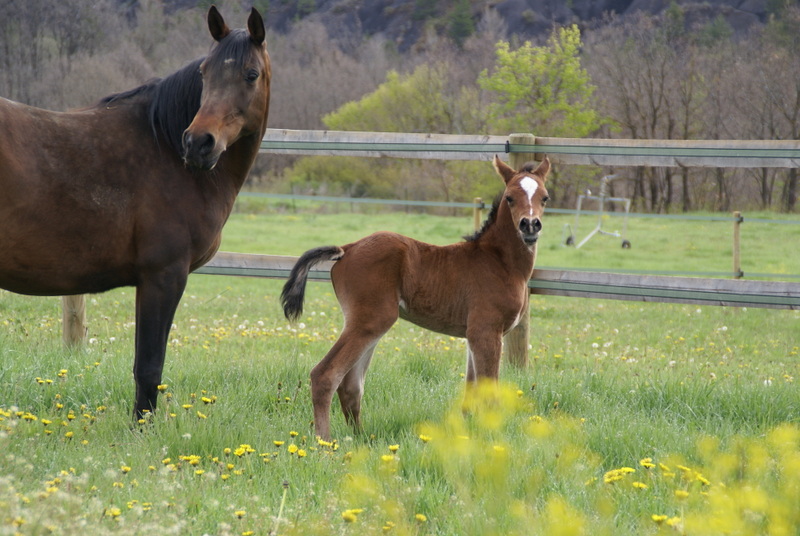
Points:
[[415, 102], [543, 90]]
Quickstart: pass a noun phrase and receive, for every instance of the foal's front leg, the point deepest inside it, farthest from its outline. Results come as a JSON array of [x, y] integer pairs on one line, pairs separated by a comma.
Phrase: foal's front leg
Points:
[[484, 347]]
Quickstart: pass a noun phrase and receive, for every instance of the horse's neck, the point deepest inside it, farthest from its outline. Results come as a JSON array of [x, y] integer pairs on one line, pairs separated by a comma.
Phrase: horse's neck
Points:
[[234, 167]]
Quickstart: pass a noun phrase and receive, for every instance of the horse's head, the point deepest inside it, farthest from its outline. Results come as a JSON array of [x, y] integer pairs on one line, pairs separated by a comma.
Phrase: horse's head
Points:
[[235, 100], [525, 195]]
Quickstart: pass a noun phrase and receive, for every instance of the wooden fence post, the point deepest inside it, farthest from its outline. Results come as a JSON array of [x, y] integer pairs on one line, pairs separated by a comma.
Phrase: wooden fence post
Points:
[[737, 261], [477, 213], [515, 345], [73, 316]]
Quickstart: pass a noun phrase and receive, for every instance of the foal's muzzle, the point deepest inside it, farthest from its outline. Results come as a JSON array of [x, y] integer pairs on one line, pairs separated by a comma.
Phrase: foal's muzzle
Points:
[[530, 228]]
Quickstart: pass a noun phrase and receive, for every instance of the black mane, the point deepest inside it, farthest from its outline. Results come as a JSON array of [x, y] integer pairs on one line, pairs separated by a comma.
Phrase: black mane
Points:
[[489, 220], [175, 99]]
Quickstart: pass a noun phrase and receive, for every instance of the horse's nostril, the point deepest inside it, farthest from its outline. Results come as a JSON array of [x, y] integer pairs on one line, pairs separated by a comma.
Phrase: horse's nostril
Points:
[[537, 225]]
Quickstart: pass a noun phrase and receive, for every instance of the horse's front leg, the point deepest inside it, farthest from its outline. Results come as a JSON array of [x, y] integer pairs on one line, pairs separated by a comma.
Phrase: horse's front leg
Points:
[[157, 297]]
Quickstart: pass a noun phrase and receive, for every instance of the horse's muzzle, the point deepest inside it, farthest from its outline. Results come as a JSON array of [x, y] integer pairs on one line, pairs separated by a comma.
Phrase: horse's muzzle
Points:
[[199, 151]]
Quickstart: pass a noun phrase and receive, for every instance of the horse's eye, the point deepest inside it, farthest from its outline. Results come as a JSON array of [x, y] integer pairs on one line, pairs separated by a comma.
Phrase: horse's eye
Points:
[[545, 199], [509, 200], [251, 76]]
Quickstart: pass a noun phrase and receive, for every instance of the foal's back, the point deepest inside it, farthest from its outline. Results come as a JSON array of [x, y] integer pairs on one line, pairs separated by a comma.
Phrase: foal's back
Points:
[[386, 275]]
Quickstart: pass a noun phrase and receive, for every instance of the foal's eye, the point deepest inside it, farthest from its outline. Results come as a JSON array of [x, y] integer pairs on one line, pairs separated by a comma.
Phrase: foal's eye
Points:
[[545, 199], [509, 200], [251, 76]]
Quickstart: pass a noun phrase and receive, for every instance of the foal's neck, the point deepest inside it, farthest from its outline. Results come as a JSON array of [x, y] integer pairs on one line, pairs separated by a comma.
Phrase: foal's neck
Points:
[[503, 239]]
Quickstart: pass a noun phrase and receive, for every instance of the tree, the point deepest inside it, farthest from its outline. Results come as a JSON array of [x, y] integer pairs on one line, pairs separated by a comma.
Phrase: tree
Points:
[[544, 89], [461, 25]]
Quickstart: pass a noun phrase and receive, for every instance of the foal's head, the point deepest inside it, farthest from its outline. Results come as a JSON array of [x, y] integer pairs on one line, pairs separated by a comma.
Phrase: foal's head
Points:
[[236, 82], [525, 195]]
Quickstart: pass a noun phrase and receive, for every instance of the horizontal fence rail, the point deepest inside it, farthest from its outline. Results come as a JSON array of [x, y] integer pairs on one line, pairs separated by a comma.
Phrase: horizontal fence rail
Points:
[[647, 288], [575, 151]]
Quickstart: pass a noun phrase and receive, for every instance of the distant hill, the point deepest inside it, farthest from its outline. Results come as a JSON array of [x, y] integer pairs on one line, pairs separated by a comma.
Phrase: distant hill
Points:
[[406, 22]]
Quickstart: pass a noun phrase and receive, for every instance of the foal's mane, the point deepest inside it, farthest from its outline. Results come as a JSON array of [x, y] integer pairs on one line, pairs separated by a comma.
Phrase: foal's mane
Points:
[[175, 99], [489, 220]]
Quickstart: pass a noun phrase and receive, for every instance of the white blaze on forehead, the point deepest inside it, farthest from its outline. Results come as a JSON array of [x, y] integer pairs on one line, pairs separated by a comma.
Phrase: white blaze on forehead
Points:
[[530, 186]]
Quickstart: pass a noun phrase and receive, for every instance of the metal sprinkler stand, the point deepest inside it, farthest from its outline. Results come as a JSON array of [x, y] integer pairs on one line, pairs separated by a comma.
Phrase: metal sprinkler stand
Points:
[[602, 199]]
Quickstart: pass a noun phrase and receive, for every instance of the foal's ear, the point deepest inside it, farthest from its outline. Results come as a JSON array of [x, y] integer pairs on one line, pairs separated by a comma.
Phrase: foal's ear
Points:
[[255, 25], [503, 169], [543, 169], [216, 24]]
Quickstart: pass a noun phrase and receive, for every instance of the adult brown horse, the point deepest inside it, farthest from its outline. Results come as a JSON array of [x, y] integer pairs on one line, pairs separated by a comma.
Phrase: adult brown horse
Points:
[[134, 191], [474, 289]]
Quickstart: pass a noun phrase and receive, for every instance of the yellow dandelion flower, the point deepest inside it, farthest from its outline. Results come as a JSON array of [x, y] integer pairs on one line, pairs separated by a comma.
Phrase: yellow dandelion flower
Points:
[[639, 485], [301, 453], [387, 526], [292, 448], [350, 516], [240, 513], [387, 458], [162, 387], [673, 521], [424, 438], [421, 518], [199, 472], [647, 463], [293, 434], [166, 461], [658, 518], [394, 448], [681, 494], [125, 469], [278, 443], [113, 512], [201, 415]]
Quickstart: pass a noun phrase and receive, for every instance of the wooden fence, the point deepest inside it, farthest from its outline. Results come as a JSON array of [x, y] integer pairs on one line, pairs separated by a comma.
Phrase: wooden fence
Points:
[[522, 148]]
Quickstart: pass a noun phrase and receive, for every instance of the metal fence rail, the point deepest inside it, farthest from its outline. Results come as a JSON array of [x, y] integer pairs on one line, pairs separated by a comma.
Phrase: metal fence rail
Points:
[[574, 283], [575, 151]]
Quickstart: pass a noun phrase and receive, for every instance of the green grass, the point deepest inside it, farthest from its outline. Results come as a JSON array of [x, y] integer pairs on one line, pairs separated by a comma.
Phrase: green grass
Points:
[[709, 389]]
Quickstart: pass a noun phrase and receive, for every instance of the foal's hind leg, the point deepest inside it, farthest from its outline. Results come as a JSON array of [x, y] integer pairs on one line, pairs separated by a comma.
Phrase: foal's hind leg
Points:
[[351, 390], [352, 351]]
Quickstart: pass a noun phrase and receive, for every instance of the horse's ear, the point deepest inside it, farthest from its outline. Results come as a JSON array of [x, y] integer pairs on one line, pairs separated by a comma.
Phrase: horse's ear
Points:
[[503, 169], [216, 24], [255, 25], [543, 169]]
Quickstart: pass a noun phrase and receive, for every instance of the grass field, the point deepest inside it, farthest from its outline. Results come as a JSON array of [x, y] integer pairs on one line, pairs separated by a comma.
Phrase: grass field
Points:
[[630, 419]]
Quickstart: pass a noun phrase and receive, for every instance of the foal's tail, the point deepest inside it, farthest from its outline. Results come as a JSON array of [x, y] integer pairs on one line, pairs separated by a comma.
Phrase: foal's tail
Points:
[[294, 290]]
